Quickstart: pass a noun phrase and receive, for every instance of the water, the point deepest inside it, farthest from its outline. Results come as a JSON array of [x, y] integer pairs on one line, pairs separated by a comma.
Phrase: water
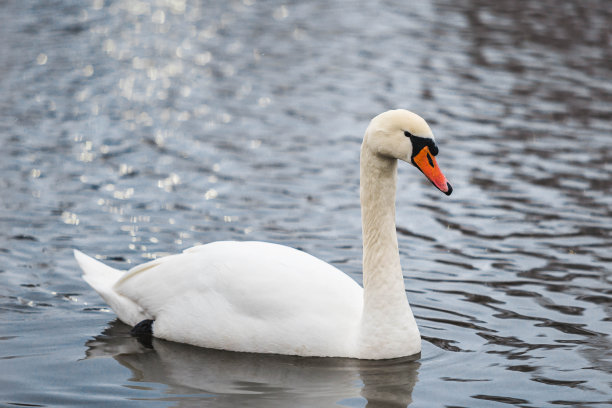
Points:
[[134, 129]]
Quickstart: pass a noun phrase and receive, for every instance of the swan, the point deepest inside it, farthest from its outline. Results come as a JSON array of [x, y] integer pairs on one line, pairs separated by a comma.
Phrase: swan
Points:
[[268, 298]]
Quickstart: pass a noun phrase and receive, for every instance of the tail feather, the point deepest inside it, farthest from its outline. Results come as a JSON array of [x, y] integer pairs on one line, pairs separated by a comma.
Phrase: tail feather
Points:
[[102, 279]]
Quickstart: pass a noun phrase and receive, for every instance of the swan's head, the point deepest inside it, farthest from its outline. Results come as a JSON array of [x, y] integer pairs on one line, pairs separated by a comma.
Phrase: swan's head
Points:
[[401, 134]]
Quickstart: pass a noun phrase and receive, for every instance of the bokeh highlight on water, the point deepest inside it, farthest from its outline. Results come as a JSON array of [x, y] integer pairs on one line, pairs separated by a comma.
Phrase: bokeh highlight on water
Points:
[[133, 129]]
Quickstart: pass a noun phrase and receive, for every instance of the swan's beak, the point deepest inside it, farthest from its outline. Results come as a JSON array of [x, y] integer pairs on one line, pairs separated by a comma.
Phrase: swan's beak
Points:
[[426, 162]]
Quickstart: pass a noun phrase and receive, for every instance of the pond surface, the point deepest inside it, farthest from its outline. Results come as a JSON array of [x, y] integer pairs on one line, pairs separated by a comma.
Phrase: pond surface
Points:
[[134, 129]]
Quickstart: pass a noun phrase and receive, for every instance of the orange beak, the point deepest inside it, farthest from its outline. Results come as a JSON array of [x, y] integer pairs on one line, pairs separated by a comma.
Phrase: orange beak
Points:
[[426, 162]]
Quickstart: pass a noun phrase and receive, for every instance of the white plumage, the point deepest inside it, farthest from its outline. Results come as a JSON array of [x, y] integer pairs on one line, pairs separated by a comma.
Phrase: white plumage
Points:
[[268, 298], [195, 298]]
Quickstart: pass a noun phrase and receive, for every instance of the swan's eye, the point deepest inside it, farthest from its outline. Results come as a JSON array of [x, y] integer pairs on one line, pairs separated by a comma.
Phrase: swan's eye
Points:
[[407, 133]]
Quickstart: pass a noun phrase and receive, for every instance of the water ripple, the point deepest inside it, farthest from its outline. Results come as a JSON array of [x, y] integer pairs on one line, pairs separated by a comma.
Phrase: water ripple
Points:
[[134, 129]]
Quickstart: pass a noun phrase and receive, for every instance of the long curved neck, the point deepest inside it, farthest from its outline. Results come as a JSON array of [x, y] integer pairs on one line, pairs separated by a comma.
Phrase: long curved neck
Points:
[[382, 272], [387, 321]]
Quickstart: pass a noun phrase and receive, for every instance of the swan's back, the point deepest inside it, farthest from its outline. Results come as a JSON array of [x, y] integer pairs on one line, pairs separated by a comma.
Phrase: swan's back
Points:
[[248, 296]]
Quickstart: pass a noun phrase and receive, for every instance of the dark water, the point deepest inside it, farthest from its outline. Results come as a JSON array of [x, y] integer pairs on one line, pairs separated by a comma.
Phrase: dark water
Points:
[[133, 129]]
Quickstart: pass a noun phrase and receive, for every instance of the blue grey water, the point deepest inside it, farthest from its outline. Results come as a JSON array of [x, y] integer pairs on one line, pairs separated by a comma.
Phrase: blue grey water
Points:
[[134, 129]]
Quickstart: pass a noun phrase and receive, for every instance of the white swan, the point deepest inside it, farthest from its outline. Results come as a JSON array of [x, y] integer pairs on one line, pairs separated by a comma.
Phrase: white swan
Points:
[[268, 298]]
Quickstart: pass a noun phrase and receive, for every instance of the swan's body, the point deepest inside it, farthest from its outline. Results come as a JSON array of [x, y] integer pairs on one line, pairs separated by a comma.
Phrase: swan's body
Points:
[[268, 298]]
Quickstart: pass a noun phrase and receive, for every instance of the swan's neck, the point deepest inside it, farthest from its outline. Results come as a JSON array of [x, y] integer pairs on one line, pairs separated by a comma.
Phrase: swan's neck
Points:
[[388, 325]]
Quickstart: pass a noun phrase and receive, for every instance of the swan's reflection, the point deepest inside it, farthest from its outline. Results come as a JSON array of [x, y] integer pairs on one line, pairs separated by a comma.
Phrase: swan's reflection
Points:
[[229, 379]]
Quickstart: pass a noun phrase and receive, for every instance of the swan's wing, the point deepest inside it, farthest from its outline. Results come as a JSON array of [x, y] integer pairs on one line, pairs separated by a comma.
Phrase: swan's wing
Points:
[[246, 296]]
